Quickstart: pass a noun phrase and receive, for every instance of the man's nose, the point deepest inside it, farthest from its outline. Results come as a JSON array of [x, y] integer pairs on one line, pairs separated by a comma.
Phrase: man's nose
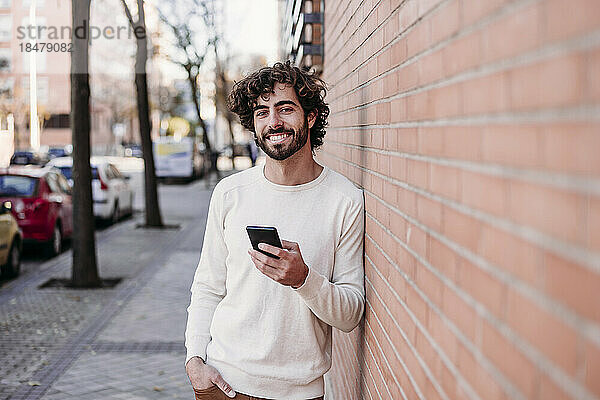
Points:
[[274, 121]]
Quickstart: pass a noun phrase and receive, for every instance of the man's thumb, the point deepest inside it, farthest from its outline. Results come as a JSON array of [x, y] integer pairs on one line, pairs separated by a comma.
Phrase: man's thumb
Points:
[[224, 386]]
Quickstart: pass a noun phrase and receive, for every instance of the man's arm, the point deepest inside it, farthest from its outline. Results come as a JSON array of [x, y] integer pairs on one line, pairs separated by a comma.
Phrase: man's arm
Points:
[[208, 287], [339, 303]]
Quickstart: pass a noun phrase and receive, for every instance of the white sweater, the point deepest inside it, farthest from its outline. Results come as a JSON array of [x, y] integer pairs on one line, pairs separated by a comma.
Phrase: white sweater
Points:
[[269, 340]]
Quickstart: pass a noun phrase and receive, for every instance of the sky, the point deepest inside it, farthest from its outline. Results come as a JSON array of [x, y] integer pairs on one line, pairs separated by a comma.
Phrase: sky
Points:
[[252, 27]]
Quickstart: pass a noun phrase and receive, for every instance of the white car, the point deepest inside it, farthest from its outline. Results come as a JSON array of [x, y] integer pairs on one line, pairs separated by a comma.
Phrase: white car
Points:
[[111, 193]]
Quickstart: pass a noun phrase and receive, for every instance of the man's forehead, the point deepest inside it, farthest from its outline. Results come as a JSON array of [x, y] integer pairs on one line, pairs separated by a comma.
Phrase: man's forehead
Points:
[[281, 91]]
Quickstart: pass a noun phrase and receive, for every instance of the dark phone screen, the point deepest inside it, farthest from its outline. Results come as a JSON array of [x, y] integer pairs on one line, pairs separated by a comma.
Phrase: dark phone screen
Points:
[[264, 234]]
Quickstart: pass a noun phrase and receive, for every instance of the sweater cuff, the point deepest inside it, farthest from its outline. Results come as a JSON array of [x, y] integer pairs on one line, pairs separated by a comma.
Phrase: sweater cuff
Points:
[[195, 350], [311, 286]]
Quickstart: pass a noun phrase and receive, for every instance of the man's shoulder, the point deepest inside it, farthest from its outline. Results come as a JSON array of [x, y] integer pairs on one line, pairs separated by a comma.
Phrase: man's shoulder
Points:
[[345, 187], [239, 179]]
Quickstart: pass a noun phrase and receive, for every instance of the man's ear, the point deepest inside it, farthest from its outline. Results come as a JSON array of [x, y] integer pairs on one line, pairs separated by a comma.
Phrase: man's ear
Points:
[[312, 118]]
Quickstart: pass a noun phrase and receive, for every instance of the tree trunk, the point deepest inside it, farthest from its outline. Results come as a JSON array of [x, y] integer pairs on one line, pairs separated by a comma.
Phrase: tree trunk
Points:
[[153, 216], [196, 100], [85, 269]]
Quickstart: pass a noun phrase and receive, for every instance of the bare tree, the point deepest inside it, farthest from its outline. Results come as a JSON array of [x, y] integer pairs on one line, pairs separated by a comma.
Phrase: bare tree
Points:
[[192, 56], [85, 269], [153, 216]]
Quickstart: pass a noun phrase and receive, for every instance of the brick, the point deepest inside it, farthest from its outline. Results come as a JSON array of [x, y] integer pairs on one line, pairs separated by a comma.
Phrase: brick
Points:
[[407, 201], [478, 378], [445, 22], [513, 364], [417, 240], [514, 33], [552, 337], [417, 173], [486, 95], [573, 285], [407, 140], [461, 314], [444, 181], [512, 254], [512, 145], [443, 336], [473, 10], [484, 192], [463, 142], [483, 287], [556, 212], [461, 229], [416, 304], [551, 83], [430, 284], [593, 234], [550, 390], [462, 53], [398, 167], [443, 259], [592, 367], [430, 141], [563, 20], [581, 139], [429, 213]]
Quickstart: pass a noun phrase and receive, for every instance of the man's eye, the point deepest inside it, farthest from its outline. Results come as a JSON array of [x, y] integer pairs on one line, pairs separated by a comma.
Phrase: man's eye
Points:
[[260, 113], [287, 109]]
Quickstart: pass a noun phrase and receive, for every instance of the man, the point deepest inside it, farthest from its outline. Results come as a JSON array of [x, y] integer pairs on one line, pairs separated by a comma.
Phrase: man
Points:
[[258, 326]]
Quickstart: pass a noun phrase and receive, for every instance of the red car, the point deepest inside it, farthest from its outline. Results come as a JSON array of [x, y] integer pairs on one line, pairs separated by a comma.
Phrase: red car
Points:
[[41, 199]]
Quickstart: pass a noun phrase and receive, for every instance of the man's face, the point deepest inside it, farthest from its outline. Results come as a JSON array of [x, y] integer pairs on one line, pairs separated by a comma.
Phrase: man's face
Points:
[[280, 124]]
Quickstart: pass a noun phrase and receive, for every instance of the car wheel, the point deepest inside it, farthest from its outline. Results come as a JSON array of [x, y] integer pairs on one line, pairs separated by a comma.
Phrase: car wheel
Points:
[[54, 246], [13, 264], [114, 218]]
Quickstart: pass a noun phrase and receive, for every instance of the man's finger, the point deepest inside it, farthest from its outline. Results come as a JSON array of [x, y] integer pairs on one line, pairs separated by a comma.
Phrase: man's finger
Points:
[[263, 258], [224, 386], [267, 270], [290, 245], [276, 251]]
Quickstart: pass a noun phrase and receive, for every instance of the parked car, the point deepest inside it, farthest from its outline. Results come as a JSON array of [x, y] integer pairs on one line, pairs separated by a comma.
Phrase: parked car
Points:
[[27, 157], [111, 193], [41, 202], [57, 151], [10, 242]]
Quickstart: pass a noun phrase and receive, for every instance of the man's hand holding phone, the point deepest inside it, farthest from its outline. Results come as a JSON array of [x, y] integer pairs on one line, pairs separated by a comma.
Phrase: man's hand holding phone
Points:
[[288, 270]]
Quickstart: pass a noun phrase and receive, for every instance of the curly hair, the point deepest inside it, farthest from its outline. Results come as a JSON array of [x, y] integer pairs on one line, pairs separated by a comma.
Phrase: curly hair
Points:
[[310, 90]]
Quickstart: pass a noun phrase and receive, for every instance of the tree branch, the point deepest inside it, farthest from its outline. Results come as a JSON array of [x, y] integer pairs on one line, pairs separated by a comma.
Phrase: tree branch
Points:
[[128, 13]]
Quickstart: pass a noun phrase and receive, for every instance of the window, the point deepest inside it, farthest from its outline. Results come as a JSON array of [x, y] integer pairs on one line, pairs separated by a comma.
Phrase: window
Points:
[[7, 88], [5, 60], [58, 121], [5, 28], [17, 186], [5, 3], [38, 3], [42, 89]]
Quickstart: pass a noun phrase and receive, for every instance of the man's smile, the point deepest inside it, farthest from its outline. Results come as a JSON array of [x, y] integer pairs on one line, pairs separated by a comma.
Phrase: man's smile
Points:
[[278, 137]]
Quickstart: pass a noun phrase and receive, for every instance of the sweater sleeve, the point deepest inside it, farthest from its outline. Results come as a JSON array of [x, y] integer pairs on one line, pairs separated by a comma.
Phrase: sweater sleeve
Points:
[[208, 287], [340, 303]]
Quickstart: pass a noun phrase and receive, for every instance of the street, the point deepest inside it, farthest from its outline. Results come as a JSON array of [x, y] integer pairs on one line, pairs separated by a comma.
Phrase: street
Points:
[[124, 342]]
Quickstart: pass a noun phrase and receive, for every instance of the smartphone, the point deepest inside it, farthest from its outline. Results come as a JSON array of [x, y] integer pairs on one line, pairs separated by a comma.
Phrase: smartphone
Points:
[[264, 234]]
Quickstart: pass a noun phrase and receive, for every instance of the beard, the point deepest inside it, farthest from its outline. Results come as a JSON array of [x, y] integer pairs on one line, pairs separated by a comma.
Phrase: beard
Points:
[[281, 151]]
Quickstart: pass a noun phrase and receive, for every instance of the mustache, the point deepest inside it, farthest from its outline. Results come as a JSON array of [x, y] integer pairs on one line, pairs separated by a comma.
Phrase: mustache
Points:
[[279, 131]]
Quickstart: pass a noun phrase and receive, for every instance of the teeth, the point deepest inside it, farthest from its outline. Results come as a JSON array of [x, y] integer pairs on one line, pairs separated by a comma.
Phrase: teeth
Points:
[[277, 138]]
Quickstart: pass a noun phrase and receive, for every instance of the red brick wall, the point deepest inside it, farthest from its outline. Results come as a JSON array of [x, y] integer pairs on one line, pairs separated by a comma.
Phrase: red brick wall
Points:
[[474, 128]]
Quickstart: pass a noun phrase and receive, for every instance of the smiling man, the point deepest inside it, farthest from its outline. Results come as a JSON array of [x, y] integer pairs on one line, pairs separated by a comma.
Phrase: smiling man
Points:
[[259, 327]]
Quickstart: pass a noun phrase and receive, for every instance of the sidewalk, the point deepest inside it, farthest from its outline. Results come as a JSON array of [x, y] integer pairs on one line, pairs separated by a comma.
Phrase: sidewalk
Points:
[[120, 343]]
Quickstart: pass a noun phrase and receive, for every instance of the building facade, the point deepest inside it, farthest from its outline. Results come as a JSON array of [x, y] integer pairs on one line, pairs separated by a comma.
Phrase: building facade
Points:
[[473, 128]]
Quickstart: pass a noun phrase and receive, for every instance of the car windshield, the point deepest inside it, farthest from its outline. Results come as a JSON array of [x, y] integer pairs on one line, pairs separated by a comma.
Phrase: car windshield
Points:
[[17, 186], [66, 171]]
